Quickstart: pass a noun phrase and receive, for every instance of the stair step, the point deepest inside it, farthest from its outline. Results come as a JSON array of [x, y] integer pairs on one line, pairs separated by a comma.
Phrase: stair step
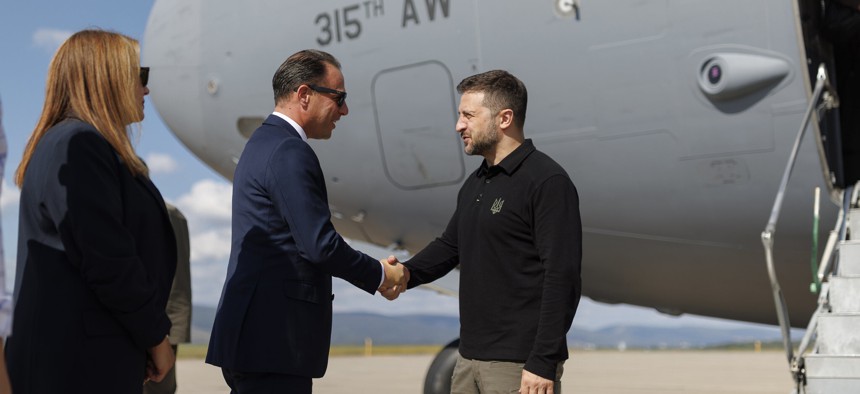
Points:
[[849, 258], [832, 374], [832, 366], [844, 294], [832, 386], [838, 334]]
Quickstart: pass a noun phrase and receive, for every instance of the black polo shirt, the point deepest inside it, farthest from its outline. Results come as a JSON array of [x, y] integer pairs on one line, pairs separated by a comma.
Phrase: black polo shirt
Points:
[[517, 236]]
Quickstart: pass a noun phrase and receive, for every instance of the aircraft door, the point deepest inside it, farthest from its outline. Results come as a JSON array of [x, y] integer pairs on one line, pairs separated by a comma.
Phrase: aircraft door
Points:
[[419, 145]]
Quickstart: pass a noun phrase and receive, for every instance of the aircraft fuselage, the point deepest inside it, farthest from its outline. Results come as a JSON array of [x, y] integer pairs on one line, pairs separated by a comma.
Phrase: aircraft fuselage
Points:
[[673, 118]]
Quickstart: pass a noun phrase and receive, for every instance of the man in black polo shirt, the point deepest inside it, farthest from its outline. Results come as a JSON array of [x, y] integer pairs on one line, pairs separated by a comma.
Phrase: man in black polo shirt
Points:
[[517, 237]]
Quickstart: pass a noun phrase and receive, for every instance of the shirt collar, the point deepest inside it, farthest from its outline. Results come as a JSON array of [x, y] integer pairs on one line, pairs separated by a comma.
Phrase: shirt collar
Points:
[[293, 123], [510, 163]]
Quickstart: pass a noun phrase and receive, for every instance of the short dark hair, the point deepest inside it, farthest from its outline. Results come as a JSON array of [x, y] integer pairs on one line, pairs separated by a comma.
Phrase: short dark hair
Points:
[[501, 91], [303, 67]]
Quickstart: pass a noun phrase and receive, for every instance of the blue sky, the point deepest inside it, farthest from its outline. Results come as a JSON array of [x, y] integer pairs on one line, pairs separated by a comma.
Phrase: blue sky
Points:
[[30, 32]]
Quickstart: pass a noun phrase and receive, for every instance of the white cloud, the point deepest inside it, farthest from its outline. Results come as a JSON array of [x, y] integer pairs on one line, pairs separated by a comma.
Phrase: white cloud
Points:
[[208, 201], [9, 197], [207, 279], [50, 39], [160, 163], [213, 244], [207, 208]]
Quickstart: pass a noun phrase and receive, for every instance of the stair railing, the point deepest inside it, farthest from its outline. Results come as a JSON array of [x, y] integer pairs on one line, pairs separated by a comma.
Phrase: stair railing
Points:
[[767, 236], [836, 235], [826, 264]]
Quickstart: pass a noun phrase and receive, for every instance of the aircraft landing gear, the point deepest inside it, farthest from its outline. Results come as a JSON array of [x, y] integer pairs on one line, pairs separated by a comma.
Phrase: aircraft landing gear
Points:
[[438, 380]]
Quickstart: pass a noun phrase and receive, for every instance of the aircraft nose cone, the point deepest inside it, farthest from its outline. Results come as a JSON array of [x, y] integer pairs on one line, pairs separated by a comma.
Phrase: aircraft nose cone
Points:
[[172, 48]]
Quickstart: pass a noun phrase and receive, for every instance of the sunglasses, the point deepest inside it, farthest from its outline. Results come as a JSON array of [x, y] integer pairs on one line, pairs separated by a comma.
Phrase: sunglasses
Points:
[[144, 76], [339, 99]]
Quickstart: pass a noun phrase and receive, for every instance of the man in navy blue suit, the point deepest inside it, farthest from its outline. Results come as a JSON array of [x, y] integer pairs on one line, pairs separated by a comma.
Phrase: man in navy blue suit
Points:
[[273, 326]]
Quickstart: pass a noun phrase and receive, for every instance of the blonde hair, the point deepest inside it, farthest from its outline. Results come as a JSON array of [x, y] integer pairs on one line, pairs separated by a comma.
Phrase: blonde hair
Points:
[[94, 77]]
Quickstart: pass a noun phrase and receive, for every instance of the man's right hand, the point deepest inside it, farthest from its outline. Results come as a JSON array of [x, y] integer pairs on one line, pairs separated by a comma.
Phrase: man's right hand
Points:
[[396, 278]]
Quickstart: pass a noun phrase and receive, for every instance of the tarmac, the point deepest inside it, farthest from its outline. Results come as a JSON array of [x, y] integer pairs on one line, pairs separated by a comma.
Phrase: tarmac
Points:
[[587, 372]]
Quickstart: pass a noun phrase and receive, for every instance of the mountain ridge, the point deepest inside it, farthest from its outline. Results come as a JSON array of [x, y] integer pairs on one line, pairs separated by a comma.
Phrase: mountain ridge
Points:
[[354, 328]]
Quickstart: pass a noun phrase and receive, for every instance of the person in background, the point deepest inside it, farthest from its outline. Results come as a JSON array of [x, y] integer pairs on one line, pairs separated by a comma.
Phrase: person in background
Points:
[[179, 303], [96, 251], [5, 299]]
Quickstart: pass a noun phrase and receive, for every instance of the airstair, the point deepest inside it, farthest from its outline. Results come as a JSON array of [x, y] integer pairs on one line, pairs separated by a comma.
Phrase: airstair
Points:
[[833, 364], [828, 358]]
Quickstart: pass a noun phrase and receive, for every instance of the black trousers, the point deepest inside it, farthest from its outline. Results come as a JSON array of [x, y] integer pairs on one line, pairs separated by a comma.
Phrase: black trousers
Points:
[[266, 383]]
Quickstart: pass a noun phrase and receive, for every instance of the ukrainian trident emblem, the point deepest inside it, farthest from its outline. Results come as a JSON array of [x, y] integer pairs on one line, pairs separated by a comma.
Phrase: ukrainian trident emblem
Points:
[[497, 206]]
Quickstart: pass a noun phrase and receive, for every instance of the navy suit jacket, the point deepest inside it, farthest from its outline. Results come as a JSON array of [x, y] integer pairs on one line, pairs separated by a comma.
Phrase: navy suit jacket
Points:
[[96, 257], [275, 310]]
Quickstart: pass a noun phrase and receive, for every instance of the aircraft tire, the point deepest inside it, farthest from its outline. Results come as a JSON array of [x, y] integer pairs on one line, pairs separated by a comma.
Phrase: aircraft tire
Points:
[[438, 380]]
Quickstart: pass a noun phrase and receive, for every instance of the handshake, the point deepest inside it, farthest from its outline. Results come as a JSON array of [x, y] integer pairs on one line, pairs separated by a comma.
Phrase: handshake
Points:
[[396, 278]]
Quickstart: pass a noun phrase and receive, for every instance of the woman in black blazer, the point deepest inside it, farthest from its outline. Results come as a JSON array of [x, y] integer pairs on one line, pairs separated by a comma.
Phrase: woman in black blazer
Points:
[[96, 252]]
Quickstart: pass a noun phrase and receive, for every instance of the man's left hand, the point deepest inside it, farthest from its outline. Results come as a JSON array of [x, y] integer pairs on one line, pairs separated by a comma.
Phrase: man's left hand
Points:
[[533, 384]]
